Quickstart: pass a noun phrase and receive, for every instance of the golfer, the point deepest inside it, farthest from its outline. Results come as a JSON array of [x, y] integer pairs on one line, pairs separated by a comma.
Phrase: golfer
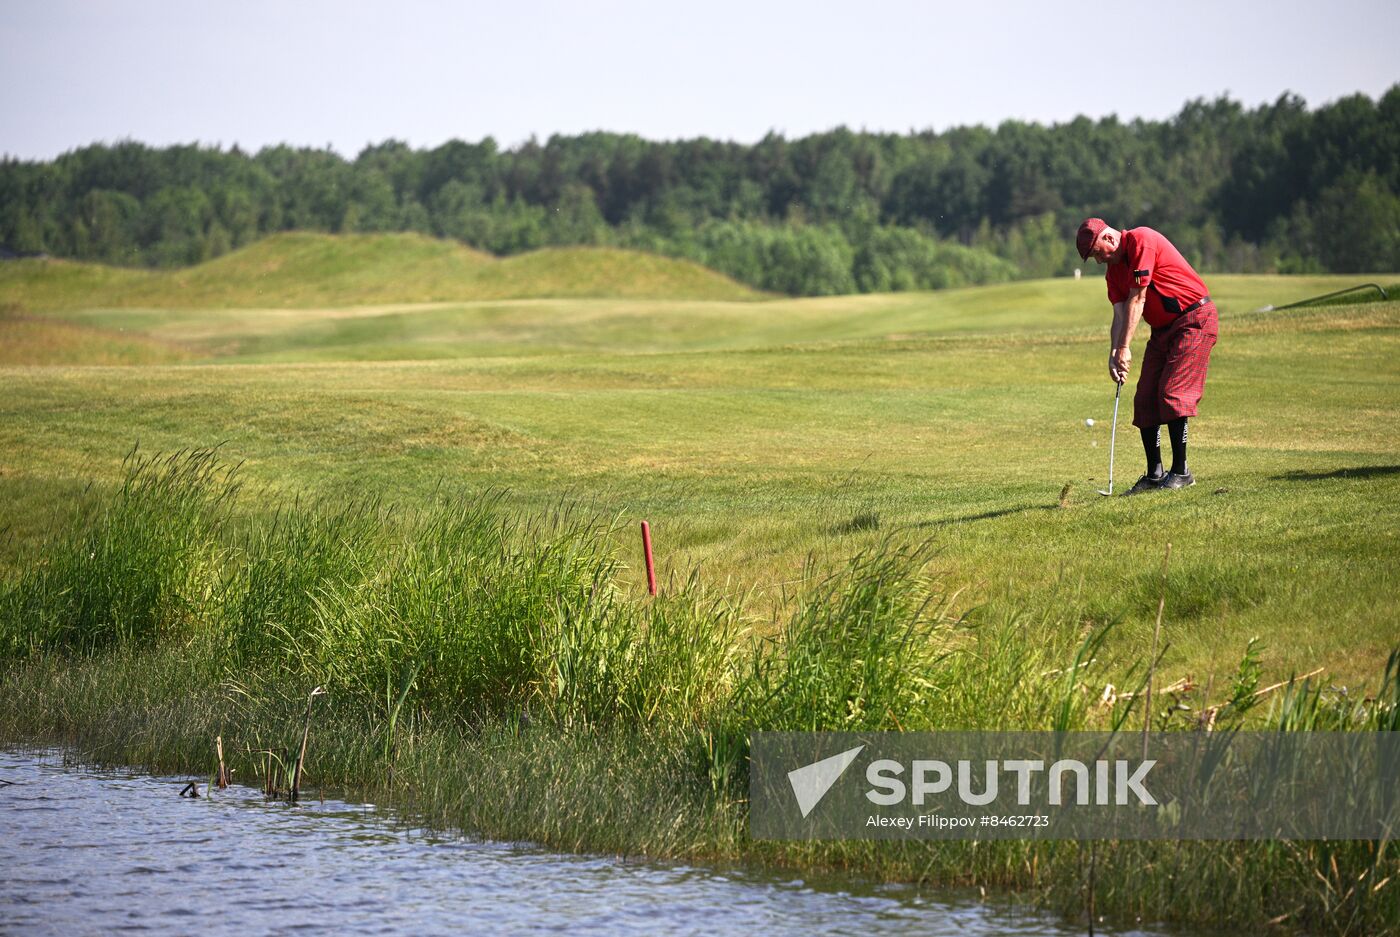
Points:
[[1149, 279]]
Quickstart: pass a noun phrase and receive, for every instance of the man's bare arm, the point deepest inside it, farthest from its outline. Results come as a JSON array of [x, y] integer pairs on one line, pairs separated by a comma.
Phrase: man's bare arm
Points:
[[1126, 316]]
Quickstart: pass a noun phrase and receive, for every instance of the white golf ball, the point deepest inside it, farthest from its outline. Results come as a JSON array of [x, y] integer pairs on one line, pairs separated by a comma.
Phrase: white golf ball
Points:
[[1089, 421]]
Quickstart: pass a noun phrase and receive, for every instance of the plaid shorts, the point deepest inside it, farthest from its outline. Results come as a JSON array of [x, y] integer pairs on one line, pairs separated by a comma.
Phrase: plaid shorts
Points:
[[1173, 376]]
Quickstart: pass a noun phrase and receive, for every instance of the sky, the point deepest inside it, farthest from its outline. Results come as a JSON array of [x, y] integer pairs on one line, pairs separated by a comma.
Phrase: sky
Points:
[[348, 73]]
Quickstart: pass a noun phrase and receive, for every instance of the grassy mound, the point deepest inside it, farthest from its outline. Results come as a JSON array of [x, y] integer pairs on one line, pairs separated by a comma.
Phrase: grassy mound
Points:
[[300, 270], [604, 272]]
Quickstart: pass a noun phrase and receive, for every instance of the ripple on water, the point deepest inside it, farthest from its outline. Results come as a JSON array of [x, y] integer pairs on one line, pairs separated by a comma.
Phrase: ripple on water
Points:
[[90, 852]]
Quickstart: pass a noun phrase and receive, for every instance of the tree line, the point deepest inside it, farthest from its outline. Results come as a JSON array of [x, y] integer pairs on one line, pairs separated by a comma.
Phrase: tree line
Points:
[[1276, 188]]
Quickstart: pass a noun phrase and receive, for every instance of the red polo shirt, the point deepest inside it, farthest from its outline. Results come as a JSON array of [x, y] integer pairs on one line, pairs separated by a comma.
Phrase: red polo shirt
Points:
[[1150, 260]]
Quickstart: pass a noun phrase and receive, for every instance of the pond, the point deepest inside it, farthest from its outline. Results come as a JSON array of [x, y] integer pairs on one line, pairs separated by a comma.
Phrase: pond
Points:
[[88, 851]]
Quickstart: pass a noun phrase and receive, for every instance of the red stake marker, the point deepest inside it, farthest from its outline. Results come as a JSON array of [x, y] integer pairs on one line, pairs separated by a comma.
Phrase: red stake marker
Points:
[[651, 567]]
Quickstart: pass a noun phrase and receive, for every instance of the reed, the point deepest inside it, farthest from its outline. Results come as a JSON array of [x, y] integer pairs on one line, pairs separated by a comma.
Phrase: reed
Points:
[[134, 567]]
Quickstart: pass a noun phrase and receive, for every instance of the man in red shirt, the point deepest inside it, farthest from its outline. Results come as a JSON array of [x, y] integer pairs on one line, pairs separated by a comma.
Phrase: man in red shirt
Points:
[[1149, 279]]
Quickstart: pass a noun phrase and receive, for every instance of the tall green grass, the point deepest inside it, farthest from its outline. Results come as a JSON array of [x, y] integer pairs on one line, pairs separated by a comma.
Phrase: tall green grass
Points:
[[135, 566], [484, 670]]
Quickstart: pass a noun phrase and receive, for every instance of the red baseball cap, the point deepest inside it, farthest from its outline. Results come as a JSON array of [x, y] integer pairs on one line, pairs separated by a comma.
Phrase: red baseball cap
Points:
[[1088, 233]]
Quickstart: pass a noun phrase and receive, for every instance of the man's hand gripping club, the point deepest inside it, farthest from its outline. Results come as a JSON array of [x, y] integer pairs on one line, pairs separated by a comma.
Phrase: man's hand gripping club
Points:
[[1120, 362]]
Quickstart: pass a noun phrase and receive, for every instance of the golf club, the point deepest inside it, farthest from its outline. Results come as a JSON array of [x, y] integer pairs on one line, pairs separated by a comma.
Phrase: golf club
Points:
[[1113, 440]]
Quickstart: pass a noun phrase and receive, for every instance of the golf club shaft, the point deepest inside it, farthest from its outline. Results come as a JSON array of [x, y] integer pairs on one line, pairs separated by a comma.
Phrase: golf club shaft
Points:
[[1113, 437]]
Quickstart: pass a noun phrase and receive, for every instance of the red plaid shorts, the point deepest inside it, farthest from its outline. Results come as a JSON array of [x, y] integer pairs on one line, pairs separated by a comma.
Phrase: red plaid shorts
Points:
[[1174, 367]]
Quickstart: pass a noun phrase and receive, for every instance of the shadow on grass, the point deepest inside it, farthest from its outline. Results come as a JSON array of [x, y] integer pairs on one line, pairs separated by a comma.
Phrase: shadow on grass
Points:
[[867, 520], [1360, 471], [985, 516]]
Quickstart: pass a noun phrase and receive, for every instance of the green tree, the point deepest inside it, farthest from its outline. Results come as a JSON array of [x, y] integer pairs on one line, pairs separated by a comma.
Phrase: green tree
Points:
[[1356, 225], [412, 216], [1237, 189], [372, 197], [175, 223], [1038, 246], [575, 218], [112, 221]]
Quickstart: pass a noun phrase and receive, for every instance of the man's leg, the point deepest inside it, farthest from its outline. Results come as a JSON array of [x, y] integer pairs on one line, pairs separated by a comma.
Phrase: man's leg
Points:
[[1176, 431], [1146, 416], [1183, 383], [1152, 448]]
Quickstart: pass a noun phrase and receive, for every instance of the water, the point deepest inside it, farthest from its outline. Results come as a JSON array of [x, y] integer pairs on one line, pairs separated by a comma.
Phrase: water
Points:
[[85, 851]]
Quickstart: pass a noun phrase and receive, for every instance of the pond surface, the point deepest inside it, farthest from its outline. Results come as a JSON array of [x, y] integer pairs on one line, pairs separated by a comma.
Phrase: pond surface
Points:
[[88, 851]]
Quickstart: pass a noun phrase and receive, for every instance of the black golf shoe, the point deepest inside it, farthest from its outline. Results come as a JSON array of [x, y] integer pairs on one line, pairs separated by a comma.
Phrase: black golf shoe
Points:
[[1147, 483], [1174, 481]]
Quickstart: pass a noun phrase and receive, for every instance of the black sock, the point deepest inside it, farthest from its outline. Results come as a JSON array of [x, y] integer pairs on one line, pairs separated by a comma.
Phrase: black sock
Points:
[[1176, 429], [1152, 445]]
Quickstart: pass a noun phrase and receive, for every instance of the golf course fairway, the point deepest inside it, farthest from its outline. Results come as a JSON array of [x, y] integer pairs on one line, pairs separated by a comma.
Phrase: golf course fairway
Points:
[[419, 487], [752, 435]]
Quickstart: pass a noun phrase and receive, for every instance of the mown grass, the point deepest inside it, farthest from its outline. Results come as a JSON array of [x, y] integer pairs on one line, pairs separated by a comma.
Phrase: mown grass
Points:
[[383, 318], [750, 448], [27, 339], [488, 670], [768, 444]]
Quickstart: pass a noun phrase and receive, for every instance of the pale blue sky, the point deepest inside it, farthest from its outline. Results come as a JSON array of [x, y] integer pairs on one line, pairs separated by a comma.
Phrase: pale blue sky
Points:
[[348, 73]]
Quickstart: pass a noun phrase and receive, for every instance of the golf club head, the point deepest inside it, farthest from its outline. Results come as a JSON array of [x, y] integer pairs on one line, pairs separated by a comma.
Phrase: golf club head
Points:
[[1106, 493]]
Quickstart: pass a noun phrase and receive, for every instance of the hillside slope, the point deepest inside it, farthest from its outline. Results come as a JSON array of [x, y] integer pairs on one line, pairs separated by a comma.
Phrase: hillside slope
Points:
[[303, 270]]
